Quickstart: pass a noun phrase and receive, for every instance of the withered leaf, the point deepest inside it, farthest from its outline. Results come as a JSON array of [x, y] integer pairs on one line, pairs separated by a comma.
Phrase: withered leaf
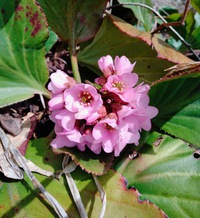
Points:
[[11, 124]]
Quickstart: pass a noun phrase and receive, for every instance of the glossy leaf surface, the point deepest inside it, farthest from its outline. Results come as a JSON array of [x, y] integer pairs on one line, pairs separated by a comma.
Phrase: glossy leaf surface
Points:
[[23, 32], [178, 102], [165, 173], [74, 21]]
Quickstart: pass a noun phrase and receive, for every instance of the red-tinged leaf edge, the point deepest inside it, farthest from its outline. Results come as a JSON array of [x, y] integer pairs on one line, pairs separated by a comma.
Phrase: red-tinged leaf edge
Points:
[[134, 190], [131, 190], [163, 50]]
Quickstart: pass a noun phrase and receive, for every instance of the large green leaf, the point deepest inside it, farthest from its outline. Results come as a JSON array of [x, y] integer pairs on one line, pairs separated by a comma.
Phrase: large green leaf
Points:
[[74, 21], [23, 70], [116, 37], [178, 102], [18, 199], [167, 174]]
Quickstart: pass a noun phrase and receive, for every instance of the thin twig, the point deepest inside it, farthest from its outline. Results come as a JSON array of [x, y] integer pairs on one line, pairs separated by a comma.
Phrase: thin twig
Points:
[[102, 195], [162, 18], [176, 23], [42, 101], [67, 168]]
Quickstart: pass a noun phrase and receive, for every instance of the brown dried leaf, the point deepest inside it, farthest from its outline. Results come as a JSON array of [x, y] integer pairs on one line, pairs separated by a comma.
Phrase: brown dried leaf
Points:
[[8, 165], [28, 125], [183, 68], [180, 70], [11, 124]]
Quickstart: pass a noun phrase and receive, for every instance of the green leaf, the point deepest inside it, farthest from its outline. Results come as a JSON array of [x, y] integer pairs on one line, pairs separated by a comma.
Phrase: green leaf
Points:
[[74, 21], [88, 161], [121, 202], [196, 5], [194, 39], [23, 32], [19, 199], [178, 102], [40, 152], [51, 40], [186, 29], [167, 10], [142, 14], [116, 37], [166, 174], [189, 31]]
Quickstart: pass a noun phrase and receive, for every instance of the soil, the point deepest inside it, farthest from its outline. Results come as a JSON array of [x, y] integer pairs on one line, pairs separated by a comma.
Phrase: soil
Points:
[[178, 4]]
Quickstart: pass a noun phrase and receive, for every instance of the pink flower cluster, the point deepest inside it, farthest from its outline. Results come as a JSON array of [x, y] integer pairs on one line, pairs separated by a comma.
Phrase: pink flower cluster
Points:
[[107, 117]]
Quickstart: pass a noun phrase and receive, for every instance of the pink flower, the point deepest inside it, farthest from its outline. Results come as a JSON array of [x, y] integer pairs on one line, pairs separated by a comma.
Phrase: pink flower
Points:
[[95, 147], [137, 119], [62, 141], [118, 67], [106, 131], [125, 137], [111, 136], [107, 118], [121, 84], [84, 101], [138, 97], [127, 117], [76, 137], [123, 65], [60, 81], [56, 102], [65, 119], [106, 65], [93, 144], [145, 115], [71, 138]]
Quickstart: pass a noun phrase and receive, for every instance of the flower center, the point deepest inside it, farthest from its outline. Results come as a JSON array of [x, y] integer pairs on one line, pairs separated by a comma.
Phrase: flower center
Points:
[[85, 98], [108, 71], [119, 85], [108, 127]]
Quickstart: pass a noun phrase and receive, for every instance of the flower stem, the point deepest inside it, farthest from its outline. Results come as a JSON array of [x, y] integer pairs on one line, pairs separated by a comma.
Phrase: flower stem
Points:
[[75, 69]]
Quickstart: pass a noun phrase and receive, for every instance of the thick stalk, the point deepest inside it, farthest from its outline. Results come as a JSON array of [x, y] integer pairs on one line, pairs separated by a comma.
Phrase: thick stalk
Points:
[[74, 63]]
